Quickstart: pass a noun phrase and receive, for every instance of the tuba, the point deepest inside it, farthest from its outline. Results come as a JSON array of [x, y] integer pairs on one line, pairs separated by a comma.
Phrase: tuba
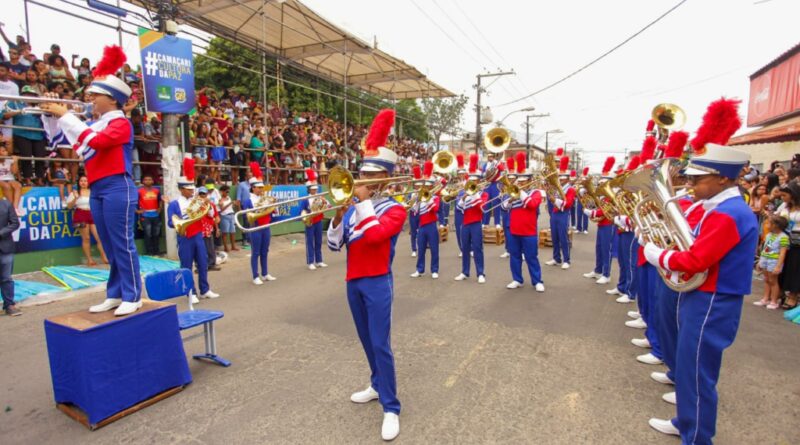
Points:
[[609, 205], [444, 163], [667, 117], [550, 177], [497, 140], [660, 219], [196, 209]]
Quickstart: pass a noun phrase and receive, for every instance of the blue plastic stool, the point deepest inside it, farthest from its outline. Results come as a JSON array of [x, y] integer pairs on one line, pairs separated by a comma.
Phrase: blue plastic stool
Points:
[[180, 283]]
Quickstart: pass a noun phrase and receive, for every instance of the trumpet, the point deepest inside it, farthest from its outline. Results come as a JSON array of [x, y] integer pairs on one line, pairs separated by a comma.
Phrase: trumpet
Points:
[[75, 106], [341, 187]]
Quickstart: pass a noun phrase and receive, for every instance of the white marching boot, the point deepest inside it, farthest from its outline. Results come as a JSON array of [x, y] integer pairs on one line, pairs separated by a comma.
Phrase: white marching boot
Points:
[[641, 342], [670, 398], [664, 426], [391, 426], [107, 305], [624, 299], [514, 285], [539, 287], [636, 324], [602, 280], [661, 377], [364, 396], [649, 359], [128, 307]]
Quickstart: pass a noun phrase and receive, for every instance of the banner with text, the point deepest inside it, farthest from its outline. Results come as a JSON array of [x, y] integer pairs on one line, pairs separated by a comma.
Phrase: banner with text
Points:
[[167, 72]]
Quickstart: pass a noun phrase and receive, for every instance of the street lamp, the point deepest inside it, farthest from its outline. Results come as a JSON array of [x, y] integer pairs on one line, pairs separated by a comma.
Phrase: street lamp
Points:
[[500, 122], [547, 141]]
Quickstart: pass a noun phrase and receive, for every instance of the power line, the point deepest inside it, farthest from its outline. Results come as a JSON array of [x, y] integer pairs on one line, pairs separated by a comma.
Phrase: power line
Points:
[[435, 23], [601, 57]]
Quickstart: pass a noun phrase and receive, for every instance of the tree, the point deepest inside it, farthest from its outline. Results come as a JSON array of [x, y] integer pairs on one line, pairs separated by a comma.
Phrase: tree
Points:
[[218, 75], [444, 115]]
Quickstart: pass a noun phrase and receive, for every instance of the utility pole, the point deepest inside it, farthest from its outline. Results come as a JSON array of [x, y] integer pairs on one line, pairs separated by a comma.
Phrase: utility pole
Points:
[[528, 133], [171, 156], [478, 105]]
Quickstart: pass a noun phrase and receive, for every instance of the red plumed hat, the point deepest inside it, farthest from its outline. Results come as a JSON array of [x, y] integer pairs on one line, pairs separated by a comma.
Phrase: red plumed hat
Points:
[[427, 170], [560, 151], [585, 171], [609, 164], [564, 164], [573, 174], [676, 144], [416, 171], [256, 169], [501, 167], [719, 123], [379, 131], [510, 164], [460, 161], [520, 161], [112, 61], [473, 162], [619, 171], [650, 125], [188, 168], [311, 175], [648, 149], [633, 164]]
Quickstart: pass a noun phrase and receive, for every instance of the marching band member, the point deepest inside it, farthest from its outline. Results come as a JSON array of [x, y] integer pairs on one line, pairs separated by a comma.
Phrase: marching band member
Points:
[[106, 148], [413, 219], [605, 229], [471, 231], [725, 239], [559, 217], [191, 246], [259, 239], [369, 229], [523, 235], [573, 211], [428, 234], [626, 285], [314, 226], [582, 224], [505, 215], [492, 190], [458, 213]]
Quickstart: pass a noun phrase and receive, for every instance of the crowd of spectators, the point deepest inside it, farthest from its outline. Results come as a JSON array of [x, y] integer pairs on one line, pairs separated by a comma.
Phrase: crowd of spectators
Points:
[[774, 197], [228, 131]]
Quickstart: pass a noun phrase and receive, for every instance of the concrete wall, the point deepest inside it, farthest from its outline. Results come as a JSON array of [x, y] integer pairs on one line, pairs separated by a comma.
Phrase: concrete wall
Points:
[[764, 154]]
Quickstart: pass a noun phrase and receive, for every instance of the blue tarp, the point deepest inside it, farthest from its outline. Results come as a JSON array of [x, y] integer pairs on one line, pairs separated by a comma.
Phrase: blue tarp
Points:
[[80, 277], [26, 289], [151, 264]]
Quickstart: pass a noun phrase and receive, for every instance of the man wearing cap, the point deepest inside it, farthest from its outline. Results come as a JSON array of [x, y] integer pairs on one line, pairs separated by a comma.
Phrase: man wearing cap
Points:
[[313, 223], [522, 237], [471, 231], [191, 247], [559, 217], [259, 239], [428, 235], [369, 229], [725, 239], [27, 142], [106, 149]]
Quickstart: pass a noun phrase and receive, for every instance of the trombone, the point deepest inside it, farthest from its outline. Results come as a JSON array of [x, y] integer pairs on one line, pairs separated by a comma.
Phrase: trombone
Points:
[[512, 190], [341, 187], [75, 106]]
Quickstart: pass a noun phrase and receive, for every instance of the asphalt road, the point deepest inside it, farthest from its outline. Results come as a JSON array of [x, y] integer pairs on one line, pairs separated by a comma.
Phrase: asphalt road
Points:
[[475, 364]]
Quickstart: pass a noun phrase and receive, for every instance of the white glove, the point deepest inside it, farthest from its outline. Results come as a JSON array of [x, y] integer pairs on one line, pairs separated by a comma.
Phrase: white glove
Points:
[[582, 192], [653, 254], [558, 203], [639, 236], [523, 195], [587, 212]]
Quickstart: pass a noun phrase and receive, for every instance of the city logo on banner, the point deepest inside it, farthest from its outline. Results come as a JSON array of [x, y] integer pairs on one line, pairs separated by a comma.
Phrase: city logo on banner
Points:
[[168, 72]]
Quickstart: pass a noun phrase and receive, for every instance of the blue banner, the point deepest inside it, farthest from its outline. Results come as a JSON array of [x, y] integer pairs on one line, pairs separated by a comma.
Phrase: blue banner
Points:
[[167, 72], [44, 224], [284, 192]]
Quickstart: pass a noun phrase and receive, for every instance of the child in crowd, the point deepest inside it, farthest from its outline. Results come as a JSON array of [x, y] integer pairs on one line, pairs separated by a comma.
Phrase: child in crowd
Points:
[[770, 263], [12, 189], [226, 224], [58, 176]]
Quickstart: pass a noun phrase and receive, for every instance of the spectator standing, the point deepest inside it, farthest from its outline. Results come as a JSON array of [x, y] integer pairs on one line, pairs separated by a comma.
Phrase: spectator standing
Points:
[[149, 211], [226, 224], [59, 71], [10, 88], [16, 67], [12, 190], [84, 68], [82, 219], [28, 142], [9, 223], [771, 260], [790, 276]]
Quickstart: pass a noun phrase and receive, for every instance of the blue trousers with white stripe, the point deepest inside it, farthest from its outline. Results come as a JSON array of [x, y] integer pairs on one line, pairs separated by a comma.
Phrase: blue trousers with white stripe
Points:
[[582, 224], [528, 245], [314, 243], [708, 324], [646, 300], [259, 250], [505, 216], [573, 217], [458, 221], [559, 228], [113, 204], [602, 250], [472, 241], [428, 237], [625, 247], [443, 213], [492, 191], [413, 225], [193, 251], [370, 300], [666, 320]]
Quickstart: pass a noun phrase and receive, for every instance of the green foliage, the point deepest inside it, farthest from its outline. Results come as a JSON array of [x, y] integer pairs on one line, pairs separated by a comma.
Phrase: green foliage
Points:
[[443, 116], [209, 72]]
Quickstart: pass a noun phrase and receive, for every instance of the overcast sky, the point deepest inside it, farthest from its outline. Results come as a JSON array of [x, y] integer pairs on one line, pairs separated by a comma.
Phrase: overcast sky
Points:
[[703, 50]]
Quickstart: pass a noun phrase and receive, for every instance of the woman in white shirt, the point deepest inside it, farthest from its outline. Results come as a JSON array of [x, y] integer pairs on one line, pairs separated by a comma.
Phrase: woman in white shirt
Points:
[[12, 189], [83, 221]]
